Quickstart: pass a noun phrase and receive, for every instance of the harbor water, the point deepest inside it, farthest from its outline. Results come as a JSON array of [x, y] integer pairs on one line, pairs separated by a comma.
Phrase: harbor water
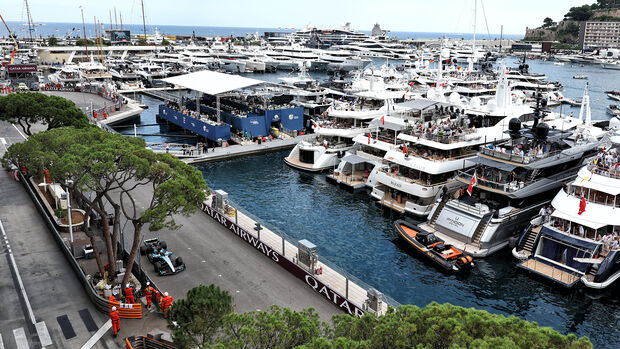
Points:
[[358, 236]]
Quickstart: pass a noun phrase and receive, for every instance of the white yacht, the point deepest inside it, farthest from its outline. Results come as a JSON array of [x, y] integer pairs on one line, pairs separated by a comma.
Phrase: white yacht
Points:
[[512, 181], [69, 74], [578, 241], [335, 135]]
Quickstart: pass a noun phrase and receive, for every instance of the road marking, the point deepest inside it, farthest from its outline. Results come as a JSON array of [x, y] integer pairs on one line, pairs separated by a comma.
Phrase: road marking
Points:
[[1, 343], [3, 140], [97, 336], [20, 132], [20, 338], [44, 335], [65, 326], [19, 278]]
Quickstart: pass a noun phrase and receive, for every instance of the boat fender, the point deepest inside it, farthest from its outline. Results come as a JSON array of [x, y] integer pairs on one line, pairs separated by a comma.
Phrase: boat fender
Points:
[[319, 270]]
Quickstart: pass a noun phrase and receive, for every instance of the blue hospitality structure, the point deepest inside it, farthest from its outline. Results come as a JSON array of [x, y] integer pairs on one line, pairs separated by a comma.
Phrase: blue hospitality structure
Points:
[[210, 130]]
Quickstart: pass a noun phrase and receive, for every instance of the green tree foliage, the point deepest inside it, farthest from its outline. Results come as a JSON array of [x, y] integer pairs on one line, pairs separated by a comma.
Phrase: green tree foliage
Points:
[[548, 22], [80, 42], [434, 326], [107, 164], [142, 41], [29, 108], [606, 4], [165, 42], [52, 41], [579, 13], [278, 328], [195, 319]]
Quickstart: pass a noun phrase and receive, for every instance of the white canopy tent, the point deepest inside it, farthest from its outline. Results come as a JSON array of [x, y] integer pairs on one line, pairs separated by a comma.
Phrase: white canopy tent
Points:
[[212, 83]]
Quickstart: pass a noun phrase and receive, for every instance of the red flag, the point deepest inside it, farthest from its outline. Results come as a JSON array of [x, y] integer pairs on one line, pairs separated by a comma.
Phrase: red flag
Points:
[[582, 206], [474, 181], [369, 137], [383, 120]]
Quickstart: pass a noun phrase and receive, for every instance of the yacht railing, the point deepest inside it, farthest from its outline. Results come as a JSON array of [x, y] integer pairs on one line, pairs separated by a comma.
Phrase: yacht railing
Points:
[[411, 180], [517, 158], [606, 172], [505, 187], [440, 137]]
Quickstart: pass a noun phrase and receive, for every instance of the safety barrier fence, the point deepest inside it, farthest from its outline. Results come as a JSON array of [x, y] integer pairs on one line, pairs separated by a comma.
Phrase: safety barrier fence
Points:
[[98, 301], [127, 310], [148, 342], [345, 291]]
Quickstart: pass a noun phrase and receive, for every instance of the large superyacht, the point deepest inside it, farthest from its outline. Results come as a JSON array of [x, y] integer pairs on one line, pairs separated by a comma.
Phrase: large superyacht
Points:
[[512, 181]]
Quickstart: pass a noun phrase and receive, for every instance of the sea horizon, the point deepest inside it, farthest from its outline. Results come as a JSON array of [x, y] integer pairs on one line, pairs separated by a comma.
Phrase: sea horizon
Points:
[[61, 29]]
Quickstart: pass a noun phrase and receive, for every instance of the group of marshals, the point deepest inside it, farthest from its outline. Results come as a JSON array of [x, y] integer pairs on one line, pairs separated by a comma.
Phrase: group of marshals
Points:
[[161, 302]]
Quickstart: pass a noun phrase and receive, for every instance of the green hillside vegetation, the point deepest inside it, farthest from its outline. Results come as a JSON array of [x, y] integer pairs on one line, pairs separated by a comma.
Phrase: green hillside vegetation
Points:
[[205, 320]]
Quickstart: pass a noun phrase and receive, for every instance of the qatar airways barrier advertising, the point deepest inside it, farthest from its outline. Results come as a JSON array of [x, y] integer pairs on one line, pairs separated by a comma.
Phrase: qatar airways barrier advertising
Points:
[[337, 299]]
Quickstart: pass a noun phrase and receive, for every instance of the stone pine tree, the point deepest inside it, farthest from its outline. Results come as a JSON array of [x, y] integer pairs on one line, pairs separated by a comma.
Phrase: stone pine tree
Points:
[[27, 109], [195, 319], [118, 169]]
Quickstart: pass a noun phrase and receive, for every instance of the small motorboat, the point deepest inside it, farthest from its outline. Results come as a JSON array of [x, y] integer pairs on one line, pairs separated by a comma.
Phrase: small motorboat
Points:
[[614, 96], [580, 77], [558, 63], [613, 110], [448, 257]]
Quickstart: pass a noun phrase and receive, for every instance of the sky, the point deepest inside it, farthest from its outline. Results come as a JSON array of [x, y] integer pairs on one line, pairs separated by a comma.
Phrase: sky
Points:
[[448, 16]]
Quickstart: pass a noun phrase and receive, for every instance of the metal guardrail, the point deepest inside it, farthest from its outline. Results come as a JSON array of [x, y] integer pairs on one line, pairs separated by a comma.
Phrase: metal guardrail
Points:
[[148, 342], [287, 238]]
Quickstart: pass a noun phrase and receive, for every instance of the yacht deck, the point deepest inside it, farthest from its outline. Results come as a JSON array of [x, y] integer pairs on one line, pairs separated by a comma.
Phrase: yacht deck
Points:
[[544, 269], [355, 180]]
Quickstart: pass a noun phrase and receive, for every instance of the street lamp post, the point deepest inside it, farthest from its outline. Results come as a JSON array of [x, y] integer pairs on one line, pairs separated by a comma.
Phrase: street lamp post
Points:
[[68, 183]]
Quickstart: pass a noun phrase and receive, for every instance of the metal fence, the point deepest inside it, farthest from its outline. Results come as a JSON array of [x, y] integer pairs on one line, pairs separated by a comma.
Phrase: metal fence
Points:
[[346, 279]]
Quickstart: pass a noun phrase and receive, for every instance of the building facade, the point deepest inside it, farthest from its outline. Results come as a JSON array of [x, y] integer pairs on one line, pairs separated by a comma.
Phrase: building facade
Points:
[[599, 34]]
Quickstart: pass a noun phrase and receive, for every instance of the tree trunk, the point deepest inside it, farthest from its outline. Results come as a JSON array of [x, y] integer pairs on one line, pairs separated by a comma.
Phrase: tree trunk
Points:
[[97, 257], [87, 229], [106, 235], [137, 228]]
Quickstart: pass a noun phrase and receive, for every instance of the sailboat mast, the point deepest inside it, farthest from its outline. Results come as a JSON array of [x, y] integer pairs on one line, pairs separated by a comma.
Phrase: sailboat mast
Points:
[[501, 37], [111, 23], [115, 19], [143, 19], [475, 13], [120, 15], [84, 30], [30, 27]]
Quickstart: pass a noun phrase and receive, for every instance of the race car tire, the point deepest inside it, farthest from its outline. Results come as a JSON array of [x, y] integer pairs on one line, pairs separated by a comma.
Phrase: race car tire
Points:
[[157, 266], [178, 262], [149, 249], [143, 250], [163, 245]]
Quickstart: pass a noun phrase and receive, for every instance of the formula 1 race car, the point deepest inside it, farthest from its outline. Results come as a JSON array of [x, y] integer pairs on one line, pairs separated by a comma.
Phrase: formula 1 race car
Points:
[[157, 253]]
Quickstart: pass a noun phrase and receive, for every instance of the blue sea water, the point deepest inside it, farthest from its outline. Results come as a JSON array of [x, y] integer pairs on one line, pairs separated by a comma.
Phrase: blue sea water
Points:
[[356, 235], [62, 29]]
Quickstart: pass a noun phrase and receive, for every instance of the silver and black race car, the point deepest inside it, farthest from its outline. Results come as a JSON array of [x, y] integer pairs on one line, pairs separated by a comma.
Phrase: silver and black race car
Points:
[[157, 253]]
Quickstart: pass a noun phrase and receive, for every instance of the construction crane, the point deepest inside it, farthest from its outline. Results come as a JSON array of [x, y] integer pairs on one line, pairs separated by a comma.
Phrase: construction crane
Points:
[[12, 37]]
